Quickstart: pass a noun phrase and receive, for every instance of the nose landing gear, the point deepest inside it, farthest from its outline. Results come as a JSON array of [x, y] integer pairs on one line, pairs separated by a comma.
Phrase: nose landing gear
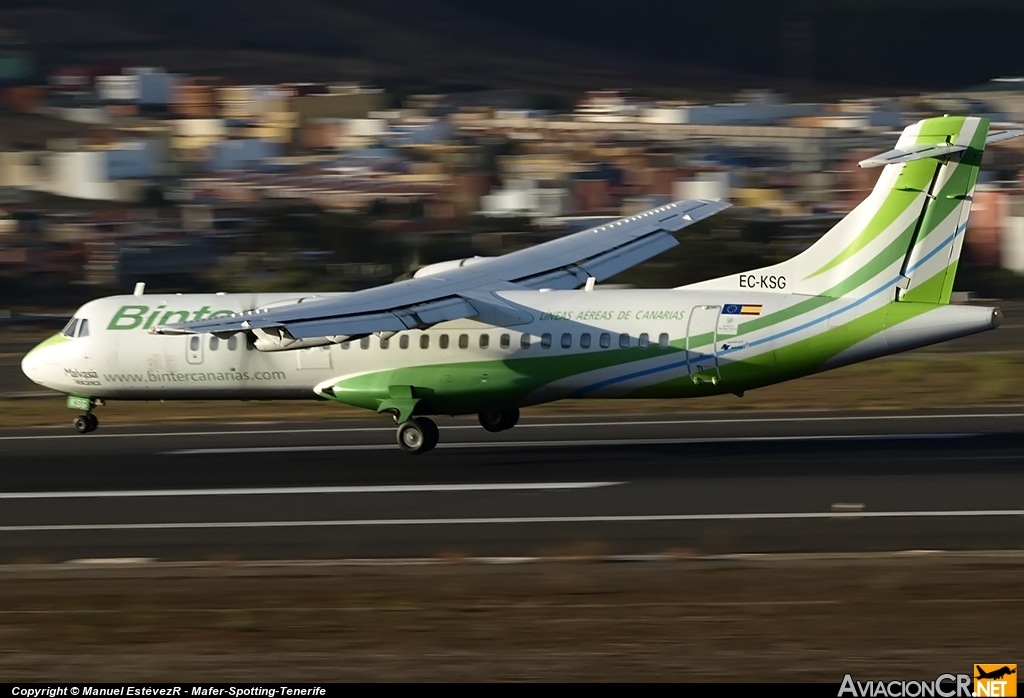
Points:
[[85, 423]]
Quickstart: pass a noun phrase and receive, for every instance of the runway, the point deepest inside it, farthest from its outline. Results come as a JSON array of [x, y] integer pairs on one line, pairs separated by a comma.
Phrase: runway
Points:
[[592, 485]]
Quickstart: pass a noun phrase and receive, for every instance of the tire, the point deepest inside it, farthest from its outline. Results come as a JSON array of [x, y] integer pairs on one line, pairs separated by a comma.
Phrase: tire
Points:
[[499, 420], [513, 417], [94, 423], [492, 421], [82, 424], [418, 435], [431, 431]]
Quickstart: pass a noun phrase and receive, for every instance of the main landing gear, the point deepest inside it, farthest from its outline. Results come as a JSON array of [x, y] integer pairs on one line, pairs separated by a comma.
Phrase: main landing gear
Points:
[[499, 420], [86, 423], [418, 435]]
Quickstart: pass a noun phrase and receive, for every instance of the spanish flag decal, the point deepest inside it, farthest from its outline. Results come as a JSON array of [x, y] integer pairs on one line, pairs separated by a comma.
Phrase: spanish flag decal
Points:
[[741, 309]]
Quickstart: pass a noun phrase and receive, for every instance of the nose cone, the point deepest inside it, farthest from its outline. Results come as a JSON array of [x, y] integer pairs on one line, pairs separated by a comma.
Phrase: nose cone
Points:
[[40, 361], [30, 366]]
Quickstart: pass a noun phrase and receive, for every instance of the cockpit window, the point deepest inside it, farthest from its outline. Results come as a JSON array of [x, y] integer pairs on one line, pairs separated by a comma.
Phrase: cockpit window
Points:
[[83, 328], [69, 329]]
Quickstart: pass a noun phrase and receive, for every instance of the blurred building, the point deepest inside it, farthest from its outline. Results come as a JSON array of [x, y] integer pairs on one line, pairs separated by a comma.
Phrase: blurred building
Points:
[[988, 219], [1011, 252], [762, 108], [117, 173], [337, 102], [241, 154], [144, 86], [194, 97]]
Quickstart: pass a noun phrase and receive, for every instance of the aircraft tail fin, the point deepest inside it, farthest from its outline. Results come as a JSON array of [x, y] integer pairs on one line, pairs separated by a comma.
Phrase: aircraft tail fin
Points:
[[907, 234]]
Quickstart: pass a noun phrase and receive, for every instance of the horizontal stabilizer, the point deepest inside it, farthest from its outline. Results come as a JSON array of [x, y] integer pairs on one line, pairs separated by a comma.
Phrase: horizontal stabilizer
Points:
[[916, 152], [1004, 135]]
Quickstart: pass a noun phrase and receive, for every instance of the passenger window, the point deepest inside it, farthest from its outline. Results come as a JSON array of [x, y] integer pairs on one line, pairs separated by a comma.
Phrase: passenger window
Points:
[[663, 340], [214, 343], [644, 341], [585, 340], [463, 341], [443, 341], [424, 341], [345, 345], [403, 342], [606, 340], [233, 343], [524, 341], [485, 341], [384, 343], [545, 340], [69, 329], [193, 342], [566, 341], [83, 328], [624, 341], [505, 342], [364, 343]]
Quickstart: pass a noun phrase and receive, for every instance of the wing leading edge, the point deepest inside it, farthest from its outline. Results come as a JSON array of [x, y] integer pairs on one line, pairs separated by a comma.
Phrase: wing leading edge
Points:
[[468, 291]]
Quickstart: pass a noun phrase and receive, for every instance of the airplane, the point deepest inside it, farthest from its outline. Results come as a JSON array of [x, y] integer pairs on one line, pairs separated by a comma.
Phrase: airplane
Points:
[[994, 674], [493, 335]]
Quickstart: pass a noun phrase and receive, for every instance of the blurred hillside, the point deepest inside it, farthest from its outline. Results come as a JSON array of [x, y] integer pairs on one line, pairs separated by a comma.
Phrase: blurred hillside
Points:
[[399, 44], [407, 45]]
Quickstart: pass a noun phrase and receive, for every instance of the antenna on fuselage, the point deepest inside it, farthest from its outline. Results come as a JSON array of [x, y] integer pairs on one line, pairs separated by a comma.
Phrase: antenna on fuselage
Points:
[[140, 288]]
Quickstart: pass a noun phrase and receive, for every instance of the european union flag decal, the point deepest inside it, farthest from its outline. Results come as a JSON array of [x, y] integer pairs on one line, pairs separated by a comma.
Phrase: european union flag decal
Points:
[[741, 309]]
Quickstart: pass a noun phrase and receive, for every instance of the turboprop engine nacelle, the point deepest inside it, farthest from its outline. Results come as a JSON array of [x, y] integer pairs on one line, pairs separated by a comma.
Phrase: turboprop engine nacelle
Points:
[[440, 267]]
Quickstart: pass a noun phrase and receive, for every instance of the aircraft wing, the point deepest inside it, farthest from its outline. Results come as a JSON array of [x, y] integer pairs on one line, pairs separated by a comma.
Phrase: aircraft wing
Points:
[[468, 291]]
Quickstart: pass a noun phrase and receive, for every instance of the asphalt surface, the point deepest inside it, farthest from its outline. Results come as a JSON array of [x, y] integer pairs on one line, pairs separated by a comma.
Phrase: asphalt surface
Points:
[[700, 484]]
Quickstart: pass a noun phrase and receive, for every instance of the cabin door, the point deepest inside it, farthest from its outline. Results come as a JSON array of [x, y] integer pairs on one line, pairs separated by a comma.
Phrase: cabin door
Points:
[[702, 344]]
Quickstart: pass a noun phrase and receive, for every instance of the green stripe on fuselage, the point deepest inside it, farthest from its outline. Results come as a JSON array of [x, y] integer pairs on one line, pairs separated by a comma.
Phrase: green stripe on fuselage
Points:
[[801, 358], [472, 386]]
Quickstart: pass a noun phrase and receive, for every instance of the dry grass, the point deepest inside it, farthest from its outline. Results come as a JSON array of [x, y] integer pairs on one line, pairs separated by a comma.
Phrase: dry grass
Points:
[[687, 620]]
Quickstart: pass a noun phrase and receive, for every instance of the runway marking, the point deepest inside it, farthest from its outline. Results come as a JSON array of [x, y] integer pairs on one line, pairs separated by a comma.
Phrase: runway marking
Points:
[[643, 518], [566, 443], [549, 425], [346, 489]]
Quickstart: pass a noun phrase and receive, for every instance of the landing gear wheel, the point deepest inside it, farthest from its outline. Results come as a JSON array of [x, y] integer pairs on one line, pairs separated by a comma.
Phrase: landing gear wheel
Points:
[[86, 423], [499, 420], [418, 435]]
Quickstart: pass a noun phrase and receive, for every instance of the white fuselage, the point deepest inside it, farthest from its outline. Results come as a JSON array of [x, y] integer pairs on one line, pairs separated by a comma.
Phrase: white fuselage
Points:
[[118, 358]]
